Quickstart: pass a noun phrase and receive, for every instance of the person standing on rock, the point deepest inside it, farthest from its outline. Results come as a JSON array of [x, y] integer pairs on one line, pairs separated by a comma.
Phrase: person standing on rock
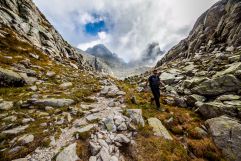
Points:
[[154, 83]]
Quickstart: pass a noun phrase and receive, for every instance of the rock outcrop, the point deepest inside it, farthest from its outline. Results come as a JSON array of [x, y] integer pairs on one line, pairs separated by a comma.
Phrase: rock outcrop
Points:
[[30, 25], [226, 134], [204, 69], [159, 129], [10, 78], [216, 29], [203, 72]]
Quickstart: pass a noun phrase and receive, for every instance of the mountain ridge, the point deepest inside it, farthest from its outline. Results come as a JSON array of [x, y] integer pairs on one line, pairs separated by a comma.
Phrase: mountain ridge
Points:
[[218, 27]]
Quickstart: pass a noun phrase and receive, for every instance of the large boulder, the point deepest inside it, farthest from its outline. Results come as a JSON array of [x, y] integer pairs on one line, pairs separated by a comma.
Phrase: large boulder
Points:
[[136, 116], [9, 78], [229, 97], [180, 101], [159, 129], [193, 82], [218, 86], [192, 99], [226, 133], [231, 70], [26, 139], [216, 109], [69, 153], [167, 78], [53, 102], [6, 105], [15, 130]]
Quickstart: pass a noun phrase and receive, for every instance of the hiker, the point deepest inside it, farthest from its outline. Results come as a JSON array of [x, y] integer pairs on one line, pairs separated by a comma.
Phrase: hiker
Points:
[[154, 83]]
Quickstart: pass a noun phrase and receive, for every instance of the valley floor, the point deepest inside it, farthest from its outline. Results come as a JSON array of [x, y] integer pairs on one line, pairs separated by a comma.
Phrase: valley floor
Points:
[[61, 113], [74, 140]]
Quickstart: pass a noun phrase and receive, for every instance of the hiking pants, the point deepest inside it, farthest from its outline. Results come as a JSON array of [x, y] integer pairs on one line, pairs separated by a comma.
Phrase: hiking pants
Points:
[[156, 94]]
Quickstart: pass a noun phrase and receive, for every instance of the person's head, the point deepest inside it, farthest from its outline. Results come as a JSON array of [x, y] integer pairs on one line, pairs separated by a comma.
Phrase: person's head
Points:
[[155, 72]]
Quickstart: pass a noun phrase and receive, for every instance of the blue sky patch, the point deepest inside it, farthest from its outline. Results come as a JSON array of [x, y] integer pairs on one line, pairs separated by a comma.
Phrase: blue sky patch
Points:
[[95, 27]]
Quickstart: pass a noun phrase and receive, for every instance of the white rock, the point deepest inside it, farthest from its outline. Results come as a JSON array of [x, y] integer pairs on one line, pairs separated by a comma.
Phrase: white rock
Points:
[[6, 105], [86, 128], [54, 102], [120, 93], [74, 65], [136, 116], [25, 139], [109, 124], [111, 104], [91, 117], [34, 56], [15, 130], [66, 85], [159, 129], [230, 49], [44, 124], [27, 120], [122, 127], [122, 138], [104, 154], [93, 158], [118, 120], [114, 158], [33, 88], [68, 154], [94, 148], [103, 143], [48, 108], [50, 74], [10, 118]]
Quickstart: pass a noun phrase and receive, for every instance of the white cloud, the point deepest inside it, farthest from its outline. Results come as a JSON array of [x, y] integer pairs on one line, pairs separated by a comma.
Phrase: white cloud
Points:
[[103, 38], [132, 23]]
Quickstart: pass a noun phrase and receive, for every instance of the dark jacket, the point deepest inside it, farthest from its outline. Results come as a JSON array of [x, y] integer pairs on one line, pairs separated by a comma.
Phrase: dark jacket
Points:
[[154, 81]]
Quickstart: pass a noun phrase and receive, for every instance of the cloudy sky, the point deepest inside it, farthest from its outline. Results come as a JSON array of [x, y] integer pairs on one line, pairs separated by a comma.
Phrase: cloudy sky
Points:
[[124, 26]]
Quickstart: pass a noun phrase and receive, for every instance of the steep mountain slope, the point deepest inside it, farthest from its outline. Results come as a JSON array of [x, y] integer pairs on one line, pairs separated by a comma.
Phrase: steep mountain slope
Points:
[[202, 73], [42, 81], [30, 25], [215, 30]]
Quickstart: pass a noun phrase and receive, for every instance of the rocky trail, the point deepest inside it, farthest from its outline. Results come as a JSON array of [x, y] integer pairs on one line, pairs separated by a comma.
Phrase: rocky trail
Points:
[[104, 142]]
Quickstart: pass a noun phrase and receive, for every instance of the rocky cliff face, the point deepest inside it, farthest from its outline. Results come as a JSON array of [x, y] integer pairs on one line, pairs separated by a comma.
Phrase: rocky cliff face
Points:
[[202, 73], [30, 25], [218, 29]]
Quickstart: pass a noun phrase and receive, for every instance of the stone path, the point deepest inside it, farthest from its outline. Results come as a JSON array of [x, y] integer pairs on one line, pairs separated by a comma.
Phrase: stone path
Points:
[[109, 103]]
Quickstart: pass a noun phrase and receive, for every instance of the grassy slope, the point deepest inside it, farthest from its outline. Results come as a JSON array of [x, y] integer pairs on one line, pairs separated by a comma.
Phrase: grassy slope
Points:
[[152, 148], [84, 85]]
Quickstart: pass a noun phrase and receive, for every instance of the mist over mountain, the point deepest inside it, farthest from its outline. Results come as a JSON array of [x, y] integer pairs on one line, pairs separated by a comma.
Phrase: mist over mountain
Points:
[[149, 56]]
